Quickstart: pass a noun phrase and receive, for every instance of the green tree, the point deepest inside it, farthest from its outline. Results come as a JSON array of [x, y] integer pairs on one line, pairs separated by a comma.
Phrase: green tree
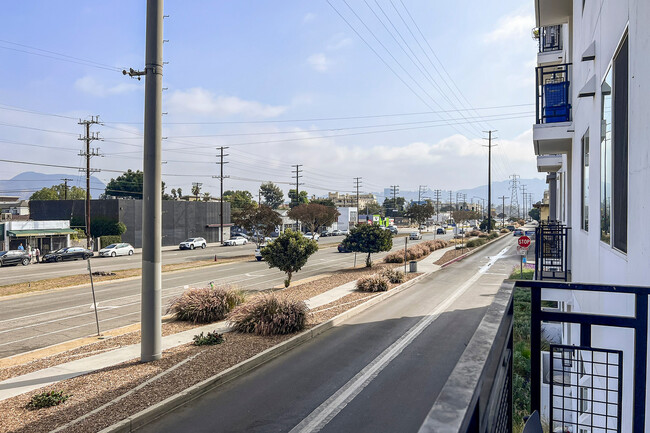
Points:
[[273, 195], [262, 219], [128, 184], [101, 226], [324, 201], [484, 225], [289, 253], [420, 212], [206, 196], [57, 192], [295, 201], [314, 215], [373, 209], [461, 216], [238, 199], [196, 190], [535, 214], [394, 207], [179, 191], [368, 239]]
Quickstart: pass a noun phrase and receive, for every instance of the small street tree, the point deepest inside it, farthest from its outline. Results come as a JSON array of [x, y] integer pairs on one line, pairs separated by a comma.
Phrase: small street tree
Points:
[[252, 218], [272, 194], [368, 239], [238, 199], [420, 212], [57, 192], [314, 215], [295, 201], [196, 190], [461, 216], [289, 253]]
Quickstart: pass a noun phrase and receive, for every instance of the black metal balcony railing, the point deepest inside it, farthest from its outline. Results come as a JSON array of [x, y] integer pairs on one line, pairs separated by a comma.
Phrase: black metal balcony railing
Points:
[[552, 252], [550, 38], [553, 84]]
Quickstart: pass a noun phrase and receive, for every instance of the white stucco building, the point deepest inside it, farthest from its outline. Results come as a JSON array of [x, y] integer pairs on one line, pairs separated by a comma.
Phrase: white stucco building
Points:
[[591, 138]]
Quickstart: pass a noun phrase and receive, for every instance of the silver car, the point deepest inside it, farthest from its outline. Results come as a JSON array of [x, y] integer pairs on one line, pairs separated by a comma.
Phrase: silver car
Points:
[[191, 243], [121, 249]]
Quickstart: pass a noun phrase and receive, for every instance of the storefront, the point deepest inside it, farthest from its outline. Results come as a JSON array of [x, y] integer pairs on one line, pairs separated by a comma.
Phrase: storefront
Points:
[[45, 235]]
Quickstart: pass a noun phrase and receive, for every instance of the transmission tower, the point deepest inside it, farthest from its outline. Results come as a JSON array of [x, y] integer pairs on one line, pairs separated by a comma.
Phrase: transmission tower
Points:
[[514, 193]]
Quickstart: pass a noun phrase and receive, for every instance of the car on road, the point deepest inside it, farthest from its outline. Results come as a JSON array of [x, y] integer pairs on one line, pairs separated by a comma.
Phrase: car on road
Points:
[[69, 253], [240, 235], [310, 235], [393, 229], [518, 232], [440, 231], [191, 243], [423, 227], [414, 236], [342, 249], [511, 228], [325, 233], [237, 240], [14, 257], [258, 252], [337, 233], [121, 249]]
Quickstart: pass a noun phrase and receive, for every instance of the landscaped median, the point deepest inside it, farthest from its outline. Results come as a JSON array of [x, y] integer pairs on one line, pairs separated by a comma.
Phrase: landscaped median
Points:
[[129, 394]]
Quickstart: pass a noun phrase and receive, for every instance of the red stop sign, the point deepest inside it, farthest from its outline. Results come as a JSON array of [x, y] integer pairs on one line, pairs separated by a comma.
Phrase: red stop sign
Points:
[[524, 241]]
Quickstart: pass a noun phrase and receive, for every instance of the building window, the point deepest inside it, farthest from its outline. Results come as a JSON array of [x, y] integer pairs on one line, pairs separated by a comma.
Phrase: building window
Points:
[[583, 400], [614, 152], [620, 149], [606, 157], [585, 181]]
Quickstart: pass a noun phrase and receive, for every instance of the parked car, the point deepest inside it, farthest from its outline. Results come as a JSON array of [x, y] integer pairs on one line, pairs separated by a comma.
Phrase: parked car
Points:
[[237, 240], [393, 229], [337, 233], [14, 257], [423, 227], [258, 253], [310, 235], [440, 231], [240, 235], [325, 233], [342, 249], [510, 227], [518, 232], [414, 236], [191, 243], [123, 249], [69, 253]]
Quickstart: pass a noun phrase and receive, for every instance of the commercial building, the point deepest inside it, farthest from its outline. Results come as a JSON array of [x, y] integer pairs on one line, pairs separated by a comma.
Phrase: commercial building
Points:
[[180, 219], [350, 200], [46, 235], [591, 138]]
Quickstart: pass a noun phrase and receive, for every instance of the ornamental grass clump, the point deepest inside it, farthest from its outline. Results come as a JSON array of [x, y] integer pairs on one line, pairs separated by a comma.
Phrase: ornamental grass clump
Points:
[[474, 233], [395, 276], [270, 315], [475, 242], [504, 231], [493, 235], [210, 339], [373, 283], [206, 304], [47, 399], [394, 257]]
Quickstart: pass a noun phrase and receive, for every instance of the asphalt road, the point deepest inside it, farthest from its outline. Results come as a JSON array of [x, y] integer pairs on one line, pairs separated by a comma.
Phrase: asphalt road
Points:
[[41, 271], [47, 318], [380, 371]]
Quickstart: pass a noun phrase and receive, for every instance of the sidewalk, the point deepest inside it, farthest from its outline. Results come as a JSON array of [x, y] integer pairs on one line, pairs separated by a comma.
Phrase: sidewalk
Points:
[[41, 378]]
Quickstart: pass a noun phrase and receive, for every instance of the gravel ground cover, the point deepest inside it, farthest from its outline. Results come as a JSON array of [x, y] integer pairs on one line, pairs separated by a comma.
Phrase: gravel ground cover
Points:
[[155, 381]]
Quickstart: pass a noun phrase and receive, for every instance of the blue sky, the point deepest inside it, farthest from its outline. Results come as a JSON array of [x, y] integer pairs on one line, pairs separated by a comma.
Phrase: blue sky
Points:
[[261, 77]]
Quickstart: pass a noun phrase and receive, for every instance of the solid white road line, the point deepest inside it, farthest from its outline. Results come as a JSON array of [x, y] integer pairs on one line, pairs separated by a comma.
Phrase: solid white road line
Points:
[[324, 413]]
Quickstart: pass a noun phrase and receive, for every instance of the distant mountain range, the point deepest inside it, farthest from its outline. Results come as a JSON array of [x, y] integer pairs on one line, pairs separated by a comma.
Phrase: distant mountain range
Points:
[[503, 188], [25, 184]]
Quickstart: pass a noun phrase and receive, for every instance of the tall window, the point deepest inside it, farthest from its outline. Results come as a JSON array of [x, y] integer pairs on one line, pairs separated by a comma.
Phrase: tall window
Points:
[[585, 181], [614, 152], [606, 158]]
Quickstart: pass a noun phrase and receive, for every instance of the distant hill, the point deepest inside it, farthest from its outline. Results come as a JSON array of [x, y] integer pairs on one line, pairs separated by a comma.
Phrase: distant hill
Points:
[[533, 186], [25, 184]]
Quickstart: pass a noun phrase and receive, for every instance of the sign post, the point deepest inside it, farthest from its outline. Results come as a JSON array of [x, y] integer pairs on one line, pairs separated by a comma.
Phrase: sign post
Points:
[[522, 248]]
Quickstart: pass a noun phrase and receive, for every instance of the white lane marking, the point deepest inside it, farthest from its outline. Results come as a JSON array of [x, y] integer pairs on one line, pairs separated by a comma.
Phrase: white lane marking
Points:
[[324, 413]]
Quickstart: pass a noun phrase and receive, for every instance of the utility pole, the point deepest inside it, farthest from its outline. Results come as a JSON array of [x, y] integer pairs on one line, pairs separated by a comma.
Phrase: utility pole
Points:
[[395, 190], [421, 189], [151, 321], [523, 193], [298, 176], [489, 198], [357, 183], [221, 177], [503, 210], [437, 194], [514, 193], [65, 183], [88, 153]]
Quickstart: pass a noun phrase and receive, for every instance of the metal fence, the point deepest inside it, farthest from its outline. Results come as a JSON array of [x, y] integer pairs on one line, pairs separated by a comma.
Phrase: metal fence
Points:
[[552, 252], [550, 38], [553, 84]]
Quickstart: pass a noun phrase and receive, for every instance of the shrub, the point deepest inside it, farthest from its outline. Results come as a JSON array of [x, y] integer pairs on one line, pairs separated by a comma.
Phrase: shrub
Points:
[[493, 235], [205, 305], [210, 339], [504, 231], [475, 243], [394, 257], [105, 241], [289, 252], [521, 222], [47, 399], [395, 276], [270, 315], [373, 283], [474, 233]]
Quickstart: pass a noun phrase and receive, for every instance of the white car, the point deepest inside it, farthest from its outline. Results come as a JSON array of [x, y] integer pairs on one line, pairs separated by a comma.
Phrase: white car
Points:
[[235, 241], [309, 235], [191, 243], [414, 236], [113, 250]]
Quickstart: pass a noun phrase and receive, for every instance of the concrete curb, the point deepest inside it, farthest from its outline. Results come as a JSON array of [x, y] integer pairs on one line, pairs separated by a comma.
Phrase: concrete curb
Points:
[[150, 414], [469, 253]]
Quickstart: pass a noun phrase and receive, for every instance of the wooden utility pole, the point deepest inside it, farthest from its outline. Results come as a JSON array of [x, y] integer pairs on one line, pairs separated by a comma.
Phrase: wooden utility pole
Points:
[[221, 177], [489, 198], [65, 186], [357, 182], [503, 210], [88, 153]]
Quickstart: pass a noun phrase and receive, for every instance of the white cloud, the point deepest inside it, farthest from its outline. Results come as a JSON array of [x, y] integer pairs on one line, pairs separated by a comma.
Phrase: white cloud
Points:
[[309, 17], [91, 86], [512, 27], [319, 62], [201, 101], [337, 42]]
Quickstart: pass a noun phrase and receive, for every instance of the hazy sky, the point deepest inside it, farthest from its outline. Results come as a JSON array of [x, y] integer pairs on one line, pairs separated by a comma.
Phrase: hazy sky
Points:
[[280, 83]]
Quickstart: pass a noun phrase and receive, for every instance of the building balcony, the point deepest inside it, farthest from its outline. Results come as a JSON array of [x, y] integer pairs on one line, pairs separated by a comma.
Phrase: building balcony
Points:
[[549, 163], [550, 12], [552, 50], [553, 131]]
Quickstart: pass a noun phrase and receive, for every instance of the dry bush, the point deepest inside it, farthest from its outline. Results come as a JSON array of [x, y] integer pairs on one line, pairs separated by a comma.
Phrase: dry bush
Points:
[[270, 315], [373, 283], [205, 305]]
